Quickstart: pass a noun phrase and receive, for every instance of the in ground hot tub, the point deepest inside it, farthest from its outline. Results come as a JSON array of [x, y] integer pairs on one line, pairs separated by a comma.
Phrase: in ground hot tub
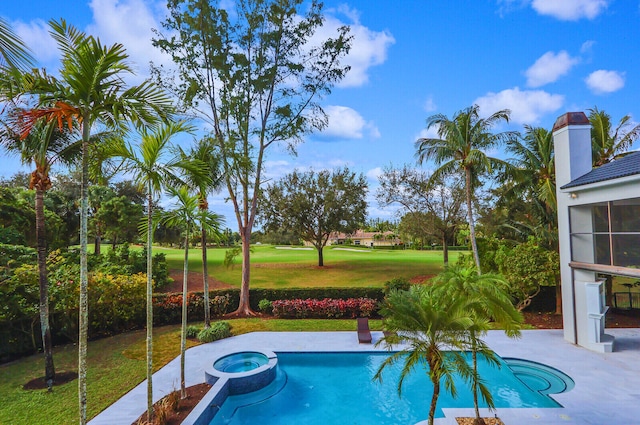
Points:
[[241, 362], [246, 371]]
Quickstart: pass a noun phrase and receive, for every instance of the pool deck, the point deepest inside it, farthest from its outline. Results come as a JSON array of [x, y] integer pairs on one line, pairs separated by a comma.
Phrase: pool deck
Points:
[[607, 385]]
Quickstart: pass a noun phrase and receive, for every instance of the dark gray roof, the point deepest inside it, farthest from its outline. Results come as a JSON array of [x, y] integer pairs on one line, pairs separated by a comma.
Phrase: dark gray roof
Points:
[[628, 165]]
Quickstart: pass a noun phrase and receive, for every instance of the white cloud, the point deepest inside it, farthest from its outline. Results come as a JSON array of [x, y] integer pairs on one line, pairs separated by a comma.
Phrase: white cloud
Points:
[[570, 10], [603, 81], [368, 48], [587, 46], [130, 23], [549, 67], [374, 173], [429, 105], [526, 106], [428, 133], [276, 169], [347, 123], [35, 34]]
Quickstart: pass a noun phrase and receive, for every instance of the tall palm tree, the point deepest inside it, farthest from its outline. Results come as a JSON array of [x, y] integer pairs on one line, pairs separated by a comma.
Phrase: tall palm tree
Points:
[[435, 331], [13, 53], [533, 175], [153, 166], [206, 151], [461, 148], [491, 302], [92, 92], [184, 216], [608, 143], [44, 147]]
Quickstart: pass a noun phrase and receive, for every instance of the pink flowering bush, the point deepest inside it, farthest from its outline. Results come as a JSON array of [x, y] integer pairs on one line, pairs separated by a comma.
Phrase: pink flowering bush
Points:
[[325, 309]]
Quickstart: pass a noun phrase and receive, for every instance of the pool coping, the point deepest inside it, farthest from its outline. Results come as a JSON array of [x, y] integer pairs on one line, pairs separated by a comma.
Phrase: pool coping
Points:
[[606, 384]]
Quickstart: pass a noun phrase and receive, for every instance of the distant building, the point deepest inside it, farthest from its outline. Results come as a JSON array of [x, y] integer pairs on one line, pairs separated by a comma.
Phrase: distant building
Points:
[[362, 238]]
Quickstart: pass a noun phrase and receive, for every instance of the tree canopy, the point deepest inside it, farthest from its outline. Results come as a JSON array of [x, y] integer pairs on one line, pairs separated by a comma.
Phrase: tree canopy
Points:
[[315, 205], [254, 75]]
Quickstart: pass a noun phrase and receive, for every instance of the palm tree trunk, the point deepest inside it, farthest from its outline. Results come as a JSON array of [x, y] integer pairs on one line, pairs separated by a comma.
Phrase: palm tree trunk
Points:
[[83, 305], [472, 226], [49, 370], [474, 384], [183, 334], [149, 306], [434, 399], [205, 280]]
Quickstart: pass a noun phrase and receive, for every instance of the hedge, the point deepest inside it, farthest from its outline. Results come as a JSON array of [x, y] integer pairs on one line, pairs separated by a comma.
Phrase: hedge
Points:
[[325, 308]]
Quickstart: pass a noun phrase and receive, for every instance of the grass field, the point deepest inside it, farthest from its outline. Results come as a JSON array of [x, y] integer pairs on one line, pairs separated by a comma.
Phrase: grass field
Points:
[[277, 267]]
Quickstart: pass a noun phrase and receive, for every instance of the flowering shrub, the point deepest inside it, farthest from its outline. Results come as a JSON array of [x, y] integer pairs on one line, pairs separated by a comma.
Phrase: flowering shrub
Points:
[[325, 308]]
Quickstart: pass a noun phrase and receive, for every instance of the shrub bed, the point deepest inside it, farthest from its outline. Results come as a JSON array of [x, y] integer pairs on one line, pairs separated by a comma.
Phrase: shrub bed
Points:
[[325, 308]]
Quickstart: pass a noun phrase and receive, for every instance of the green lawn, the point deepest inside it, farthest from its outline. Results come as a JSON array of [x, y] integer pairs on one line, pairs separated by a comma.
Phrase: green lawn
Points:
[[116, 365], [280, 268]]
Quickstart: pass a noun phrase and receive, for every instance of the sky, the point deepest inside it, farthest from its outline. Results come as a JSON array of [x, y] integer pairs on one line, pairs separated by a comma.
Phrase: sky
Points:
[[410, 59]]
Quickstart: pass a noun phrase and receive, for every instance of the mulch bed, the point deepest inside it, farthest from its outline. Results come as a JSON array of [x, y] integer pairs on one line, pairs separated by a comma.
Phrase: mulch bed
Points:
[[195, 282], [40, 384], [185, 406], [487, 421]]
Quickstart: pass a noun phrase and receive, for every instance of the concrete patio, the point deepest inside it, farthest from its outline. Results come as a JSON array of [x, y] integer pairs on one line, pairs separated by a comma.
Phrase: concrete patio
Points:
[[607, 385]]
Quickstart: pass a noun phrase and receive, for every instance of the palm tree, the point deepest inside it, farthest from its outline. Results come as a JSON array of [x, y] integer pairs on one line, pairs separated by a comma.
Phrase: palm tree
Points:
[[184, 216], [607, 143], [490, 302], [205, 151], [461, 148], [44, 146], [430, 326], [533, 174], [13, 53], [153, 167], [91, 92]]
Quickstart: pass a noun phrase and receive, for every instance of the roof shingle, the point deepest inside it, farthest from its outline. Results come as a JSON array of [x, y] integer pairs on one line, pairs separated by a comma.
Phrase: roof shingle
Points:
[[628, 165]]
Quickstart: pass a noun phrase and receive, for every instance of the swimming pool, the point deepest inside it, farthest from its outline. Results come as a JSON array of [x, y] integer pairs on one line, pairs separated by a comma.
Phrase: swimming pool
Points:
[[337, 388]]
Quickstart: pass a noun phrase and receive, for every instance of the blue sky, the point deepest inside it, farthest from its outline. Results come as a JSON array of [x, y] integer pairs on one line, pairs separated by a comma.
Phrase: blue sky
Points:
[[411, 59]]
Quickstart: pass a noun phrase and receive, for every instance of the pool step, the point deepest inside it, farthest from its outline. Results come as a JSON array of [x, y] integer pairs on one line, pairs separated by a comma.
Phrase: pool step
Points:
[[539, 377]]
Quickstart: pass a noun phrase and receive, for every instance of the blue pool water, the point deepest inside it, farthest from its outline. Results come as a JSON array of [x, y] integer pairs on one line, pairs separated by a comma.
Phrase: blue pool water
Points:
[[337, 389]]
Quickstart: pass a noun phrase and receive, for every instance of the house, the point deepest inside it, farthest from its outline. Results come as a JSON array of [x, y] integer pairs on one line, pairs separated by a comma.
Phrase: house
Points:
[[598, 226], [362, 238]]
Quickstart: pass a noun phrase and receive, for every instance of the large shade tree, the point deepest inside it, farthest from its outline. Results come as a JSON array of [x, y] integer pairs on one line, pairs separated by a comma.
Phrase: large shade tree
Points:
[[316, 204], [429, 206], [462, 148], [255, 74], [43, 147]]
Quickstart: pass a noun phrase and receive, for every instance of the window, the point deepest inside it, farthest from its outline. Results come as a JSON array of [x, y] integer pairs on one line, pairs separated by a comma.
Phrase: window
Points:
[[606, 233]]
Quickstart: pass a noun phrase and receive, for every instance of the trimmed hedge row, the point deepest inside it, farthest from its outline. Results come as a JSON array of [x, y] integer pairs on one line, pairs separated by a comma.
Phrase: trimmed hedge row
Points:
[[326, 308]]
